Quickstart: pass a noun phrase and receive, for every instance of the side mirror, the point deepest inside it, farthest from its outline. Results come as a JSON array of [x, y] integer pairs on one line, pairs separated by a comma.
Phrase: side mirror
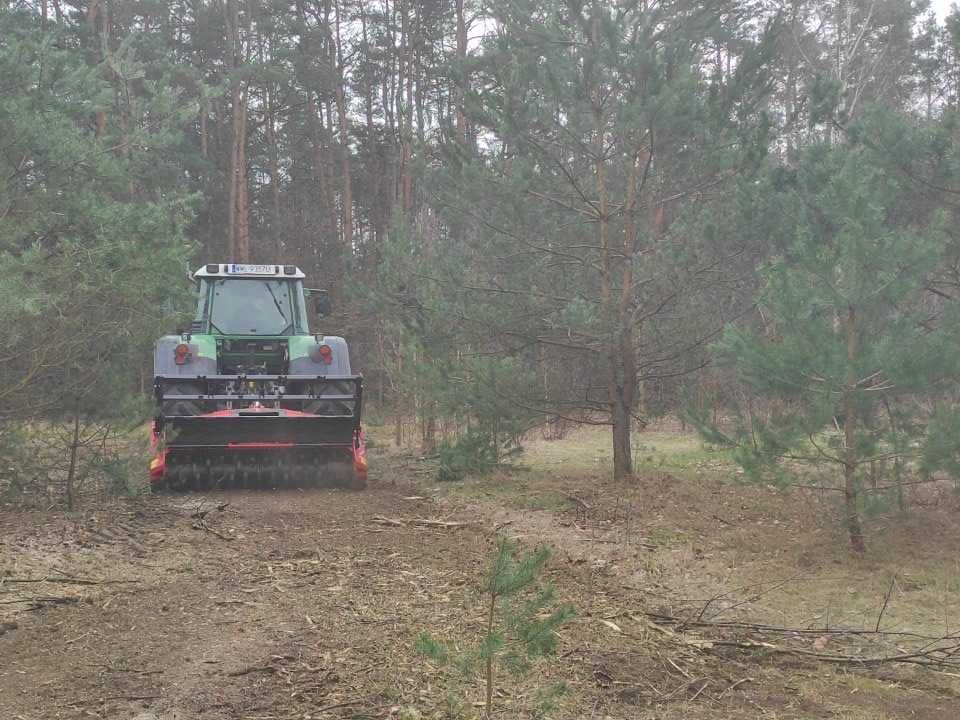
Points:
[[321, 302]]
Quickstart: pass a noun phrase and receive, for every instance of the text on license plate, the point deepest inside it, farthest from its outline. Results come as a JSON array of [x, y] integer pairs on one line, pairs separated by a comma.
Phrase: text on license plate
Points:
[[251, 269]]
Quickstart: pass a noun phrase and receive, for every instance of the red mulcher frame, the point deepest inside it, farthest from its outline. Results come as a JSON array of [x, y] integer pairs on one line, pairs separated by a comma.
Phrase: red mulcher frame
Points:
[[306, 428], [158, 464]]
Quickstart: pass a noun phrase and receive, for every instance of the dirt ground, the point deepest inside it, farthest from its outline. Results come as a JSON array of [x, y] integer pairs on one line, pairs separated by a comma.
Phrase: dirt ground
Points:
[[306, 604]]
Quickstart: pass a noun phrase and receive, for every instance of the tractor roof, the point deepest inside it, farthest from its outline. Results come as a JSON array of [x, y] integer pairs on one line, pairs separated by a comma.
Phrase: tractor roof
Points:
[[283, 272]]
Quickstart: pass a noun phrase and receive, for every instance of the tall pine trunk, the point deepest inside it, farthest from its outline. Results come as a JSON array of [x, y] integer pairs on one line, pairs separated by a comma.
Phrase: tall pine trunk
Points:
[[622, 450], [72, 468], [346, 197], [619, 350], [460, 87], [271, 136], [619, 410], [626, 371], [238, 223], [405, 107], [98, 21], [342, 249], [850, 457], [204, 133]]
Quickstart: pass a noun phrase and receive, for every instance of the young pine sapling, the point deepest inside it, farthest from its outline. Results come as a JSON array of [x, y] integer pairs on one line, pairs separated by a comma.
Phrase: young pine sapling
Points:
[[521, 619]]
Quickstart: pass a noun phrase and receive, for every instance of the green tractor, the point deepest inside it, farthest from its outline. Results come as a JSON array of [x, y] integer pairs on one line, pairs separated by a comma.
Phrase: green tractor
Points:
[[249, 396]]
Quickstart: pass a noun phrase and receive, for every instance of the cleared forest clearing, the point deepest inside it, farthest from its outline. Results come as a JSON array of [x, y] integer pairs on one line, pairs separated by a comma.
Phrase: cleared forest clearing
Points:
[[304, 604]]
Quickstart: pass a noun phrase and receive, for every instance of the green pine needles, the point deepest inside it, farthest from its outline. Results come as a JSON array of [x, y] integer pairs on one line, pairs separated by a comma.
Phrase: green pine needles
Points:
[[521, 619], [849, 351]]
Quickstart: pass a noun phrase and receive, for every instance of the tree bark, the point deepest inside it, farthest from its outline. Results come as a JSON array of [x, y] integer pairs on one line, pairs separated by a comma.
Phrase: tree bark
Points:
[[204, 134], [461, 83], [488, 669], [850, 457], [327, 126], [74, 448], [398, 398], [271, 135], [367, 85], [238, 241], [239, 228], [320, 169], [98, 23], [416, 76], [343, 127], [619, 347], [622, 450], [428, 439], [626, 324], [405, 112]]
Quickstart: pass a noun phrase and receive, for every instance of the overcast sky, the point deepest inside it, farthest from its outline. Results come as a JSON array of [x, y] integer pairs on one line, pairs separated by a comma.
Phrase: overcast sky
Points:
[[942, 6]]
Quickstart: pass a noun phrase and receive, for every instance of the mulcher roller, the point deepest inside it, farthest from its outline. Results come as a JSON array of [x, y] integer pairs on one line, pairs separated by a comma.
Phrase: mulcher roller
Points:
[[257, 471], [261, 448]]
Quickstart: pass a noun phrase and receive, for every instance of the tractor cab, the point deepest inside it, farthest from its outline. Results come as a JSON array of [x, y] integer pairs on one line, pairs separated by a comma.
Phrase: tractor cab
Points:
[[250, 300]]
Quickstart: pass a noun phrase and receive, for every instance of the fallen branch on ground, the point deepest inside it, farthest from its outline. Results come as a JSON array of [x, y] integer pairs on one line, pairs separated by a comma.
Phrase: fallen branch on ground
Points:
[[265, 667], [63, 580], [938, 652], [942, 657], [200, 513], [334, 706], [201, 525], [418, 522], [252, 669], [662, 619], [424, 522], [38, 602]]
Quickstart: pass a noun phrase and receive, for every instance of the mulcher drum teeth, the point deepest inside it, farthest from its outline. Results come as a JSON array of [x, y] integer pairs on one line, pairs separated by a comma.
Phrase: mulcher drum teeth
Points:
[[261, 450], [257, 471]]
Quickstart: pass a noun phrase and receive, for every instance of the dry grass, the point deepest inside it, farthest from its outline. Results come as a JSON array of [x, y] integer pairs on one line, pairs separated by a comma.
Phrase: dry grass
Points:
[[735, 551], [312, 608]]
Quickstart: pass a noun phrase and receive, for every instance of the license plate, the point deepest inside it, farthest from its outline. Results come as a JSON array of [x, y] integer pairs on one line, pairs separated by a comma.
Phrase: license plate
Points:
[[251, 269]]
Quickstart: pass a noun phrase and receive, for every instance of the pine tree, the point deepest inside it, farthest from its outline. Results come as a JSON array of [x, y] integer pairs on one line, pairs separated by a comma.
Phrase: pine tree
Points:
[[845, 340], [92, 232], [601, 122], [520, 625]]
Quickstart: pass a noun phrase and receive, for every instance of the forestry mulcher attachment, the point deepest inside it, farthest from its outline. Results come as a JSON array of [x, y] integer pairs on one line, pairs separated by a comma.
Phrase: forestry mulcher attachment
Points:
[[249, 397]]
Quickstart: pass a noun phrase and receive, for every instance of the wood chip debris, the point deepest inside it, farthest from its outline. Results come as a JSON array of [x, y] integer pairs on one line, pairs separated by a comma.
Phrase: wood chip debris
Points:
[[418, 522]]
